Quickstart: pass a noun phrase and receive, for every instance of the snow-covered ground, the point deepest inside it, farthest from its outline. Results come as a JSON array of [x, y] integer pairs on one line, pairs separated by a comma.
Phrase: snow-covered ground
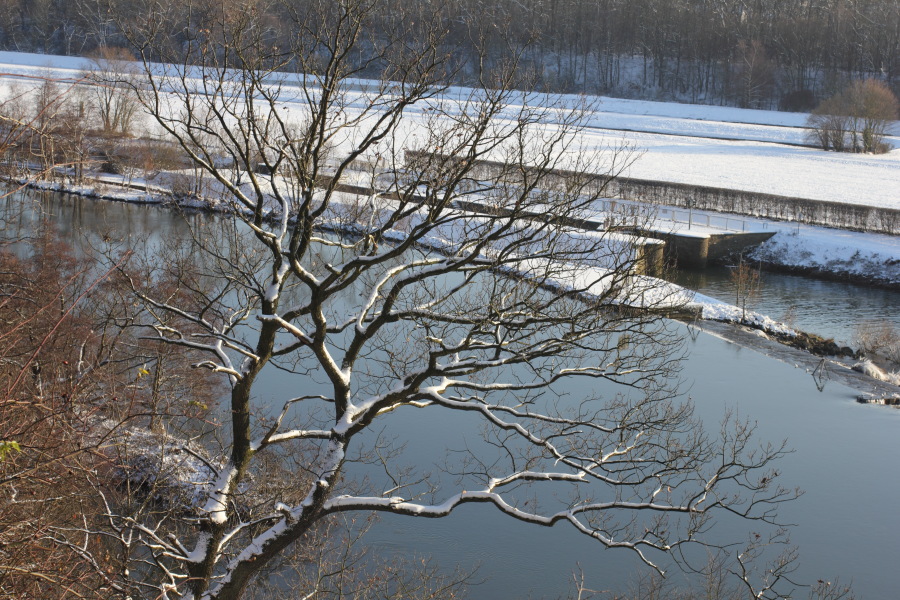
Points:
[[767, 168], [865, 256], [703, 145]]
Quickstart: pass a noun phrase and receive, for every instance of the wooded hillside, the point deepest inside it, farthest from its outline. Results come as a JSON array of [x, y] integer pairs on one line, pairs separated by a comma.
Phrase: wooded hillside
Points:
[[754, 53]]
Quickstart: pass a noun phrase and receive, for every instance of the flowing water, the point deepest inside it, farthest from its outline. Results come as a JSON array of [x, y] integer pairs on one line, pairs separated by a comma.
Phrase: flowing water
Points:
[[845, 454]]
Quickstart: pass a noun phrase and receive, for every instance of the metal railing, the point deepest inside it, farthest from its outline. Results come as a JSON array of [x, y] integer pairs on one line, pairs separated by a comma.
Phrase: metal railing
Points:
[[723, 222], [660, 214]]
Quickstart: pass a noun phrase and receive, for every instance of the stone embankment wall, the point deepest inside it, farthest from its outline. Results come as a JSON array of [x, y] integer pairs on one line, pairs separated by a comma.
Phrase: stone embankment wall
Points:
[[858, 217], [697, 252], [843, 215]]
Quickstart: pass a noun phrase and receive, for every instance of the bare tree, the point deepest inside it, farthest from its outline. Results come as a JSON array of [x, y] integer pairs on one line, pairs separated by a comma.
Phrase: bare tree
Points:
[[754, 74], [400, 302], [828, 125], [41, 129], [112, 99], [875, 108], [746, 282]]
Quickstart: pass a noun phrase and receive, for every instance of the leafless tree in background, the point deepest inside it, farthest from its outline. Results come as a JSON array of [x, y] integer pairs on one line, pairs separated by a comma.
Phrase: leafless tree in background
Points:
[[856, 119], [648, 48], [111, 98], [42, 129]]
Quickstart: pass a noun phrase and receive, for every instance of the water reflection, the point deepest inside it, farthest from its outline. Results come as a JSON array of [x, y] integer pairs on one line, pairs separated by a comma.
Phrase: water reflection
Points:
[[845, 454], [844, 460], [89, 224]]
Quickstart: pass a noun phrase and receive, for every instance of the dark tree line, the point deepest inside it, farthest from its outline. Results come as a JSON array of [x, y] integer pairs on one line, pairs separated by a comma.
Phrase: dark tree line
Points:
[[753, 53]]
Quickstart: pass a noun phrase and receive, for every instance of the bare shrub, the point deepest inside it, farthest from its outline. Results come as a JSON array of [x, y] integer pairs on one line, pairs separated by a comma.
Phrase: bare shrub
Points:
[[185, 184], [153, 156], [46, 448], [855, 119], [747, 283], [789, 317], [878, 338]]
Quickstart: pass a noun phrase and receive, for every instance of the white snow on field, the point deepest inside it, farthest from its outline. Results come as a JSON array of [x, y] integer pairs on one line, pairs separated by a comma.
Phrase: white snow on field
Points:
[[767, 168], [679, 142], [704, 112], [699, 128]]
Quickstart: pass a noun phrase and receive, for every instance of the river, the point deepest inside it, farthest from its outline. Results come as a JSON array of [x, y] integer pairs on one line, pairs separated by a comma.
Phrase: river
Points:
[[847, 522], [831, 309]]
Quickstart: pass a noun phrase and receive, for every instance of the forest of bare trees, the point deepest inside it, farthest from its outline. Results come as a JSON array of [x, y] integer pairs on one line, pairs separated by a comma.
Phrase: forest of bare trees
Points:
[[760, 53]]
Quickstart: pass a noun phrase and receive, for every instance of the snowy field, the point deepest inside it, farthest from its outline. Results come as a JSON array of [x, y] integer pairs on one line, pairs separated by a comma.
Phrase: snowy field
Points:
[[716, 146]]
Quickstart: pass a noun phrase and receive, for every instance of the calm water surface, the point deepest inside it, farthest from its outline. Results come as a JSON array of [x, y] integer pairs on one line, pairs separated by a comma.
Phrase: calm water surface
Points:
[[845, 454], [844, 459], [831, 309]]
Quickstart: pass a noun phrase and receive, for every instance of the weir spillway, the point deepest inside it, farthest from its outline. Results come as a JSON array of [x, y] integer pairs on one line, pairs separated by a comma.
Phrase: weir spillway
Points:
[[658, 242]]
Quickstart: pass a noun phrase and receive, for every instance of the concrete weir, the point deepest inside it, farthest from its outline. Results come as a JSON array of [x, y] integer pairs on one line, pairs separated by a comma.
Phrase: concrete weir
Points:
[[695, 251], [654, 247], [685, 248], [650, 250], [658, 246], [689, 247]]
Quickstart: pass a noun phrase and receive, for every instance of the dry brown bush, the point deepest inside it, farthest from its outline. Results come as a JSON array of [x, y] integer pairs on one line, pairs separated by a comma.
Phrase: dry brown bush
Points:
[[879, 338], [73, 378], [45, 413], [855, 119]]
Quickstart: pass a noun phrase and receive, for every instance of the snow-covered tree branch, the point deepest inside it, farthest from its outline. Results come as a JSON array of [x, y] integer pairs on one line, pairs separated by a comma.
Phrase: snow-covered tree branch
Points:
[[377, 270]]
